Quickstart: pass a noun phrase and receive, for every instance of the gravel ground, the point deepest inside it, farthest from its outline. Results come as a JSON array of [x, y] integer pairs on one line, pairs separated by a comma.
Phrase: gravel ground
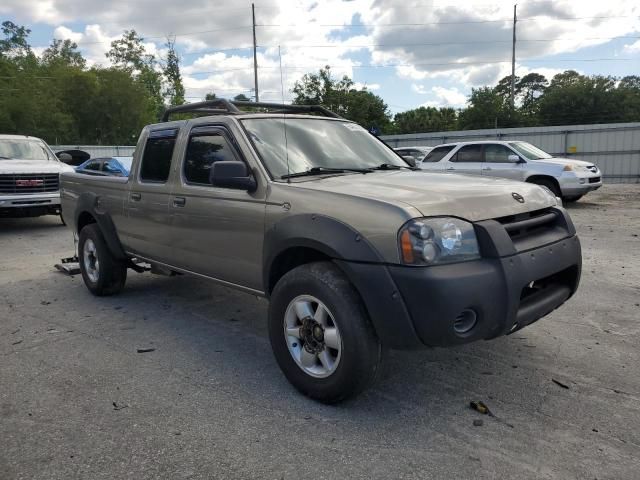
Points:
[[78, 401]]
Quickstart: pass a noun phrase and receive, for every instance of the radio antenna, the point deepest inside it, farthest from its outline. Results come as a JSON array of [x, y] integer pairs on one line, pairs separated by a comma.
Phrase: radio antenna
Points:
[[284, 119]]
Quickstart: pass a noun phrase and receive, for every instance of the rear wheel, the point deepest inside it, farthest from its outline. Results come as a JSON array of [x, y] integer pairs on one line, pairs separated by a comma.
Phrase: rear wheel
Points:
[[550, 184], [101, 272], [321, 335]]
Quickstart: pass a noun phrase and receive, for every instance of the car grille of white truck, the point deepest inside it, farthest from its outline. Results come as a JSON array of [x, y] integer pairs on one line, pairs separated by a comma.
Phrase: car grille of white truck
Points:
[[29, 183]]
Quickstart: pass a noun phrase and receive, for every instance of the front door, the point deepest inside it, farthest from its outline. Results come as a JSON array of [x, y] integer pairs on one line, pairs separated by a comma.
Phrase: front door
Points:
[[217, 231], [497, 164], [468, 159]]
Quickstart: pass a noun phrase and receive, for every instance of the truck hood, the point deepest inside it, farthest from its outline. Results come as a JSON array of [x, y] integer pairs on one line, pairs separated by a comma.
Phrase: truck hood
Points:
[[432, 194], [562, 162], [14, 166]]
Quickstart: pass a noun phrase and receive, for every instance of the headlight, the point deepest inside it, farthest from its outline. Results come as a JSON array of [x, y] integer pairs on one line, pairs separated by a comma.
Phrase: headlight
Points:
[[432, 241], [558, 200], [575, 168]]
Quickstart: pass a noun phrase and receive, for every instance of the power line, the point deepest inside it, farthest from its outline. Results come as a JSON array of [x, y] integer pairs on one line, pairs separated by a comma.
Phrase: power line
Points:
[[460, 22], [470, 42]]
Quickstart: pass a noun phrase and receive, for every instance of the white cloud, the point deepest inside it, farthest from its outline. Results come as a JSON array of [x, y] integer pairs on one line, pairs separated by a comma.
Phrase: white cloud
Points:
[[632, 47], [417, 43], [446, 97]]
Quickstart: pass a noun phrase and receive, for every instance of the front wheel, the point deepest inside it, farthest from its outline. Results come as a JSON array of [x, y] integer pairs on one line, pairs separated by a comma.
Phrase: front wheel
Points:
[[321, 335], [102, 273]]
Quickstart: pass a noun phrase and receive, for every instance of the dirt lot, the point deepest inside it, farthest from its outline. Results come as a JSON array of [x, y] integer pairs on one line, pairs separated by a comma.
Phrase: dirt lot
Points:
[[78, 401]]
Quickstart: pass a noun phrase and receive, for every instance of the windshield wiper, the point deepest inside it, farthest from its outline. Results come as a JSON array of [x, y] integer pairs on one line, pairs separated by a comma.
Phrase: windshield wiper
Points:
[[322, 170], [391, 166]]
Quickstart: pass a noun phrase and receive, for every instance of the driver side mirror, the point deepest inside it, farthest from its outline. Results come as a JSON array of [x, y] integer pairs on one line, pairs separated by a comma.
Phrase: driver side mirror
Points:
[[515, 158], [64, 157], [232, 174]]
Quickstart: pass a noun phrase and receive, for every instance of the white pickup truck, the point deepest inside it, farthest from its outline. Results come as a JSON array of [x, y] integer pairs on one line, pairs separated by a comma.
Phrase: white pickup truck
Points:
[[29, 177]]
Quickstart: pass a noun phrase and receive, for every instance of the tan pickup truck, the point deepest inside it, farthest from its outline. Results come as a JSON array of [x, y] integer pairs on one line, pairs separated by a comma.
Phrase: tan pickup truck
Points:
[[355, 250]]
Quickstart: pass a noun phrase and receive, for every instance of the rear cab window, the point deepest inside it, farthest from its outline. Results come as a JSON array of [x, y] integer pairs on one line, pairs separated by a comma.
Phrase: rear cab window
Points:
[[438, 153], [157, 155]]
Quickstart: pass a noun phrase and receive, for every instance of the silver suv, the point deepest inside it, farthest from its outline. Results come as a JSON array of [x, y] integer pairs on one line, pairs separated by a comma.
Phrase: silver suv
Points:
[[566, 178]]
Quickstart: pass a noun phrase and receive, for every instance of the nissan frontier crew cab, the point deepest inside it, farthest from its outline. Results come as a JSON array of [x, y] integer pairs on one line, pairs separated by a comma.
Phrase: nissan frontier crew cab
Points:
[[355, 250]]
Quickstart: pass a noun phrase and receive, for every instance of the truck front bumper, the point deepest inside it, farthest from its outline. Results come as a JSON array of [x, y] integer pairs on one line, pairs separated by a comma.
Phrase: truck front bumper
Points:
[[29, 205], [517, 281], [483, 299]]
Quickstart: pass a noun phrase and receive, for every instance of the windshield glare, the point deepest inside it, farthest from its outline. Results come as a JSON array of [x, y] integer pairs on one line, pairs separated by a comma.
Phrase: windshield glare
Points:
[[23, 150], [529, 151], [315, 142]]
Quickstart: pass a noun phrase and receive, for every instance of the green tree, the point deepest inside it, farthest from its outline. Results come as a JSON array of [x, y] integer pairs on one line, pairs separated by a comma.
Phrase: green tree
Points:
[[128, 53], [486, 109], [15, 43], [175, 88], [572, 98], [63, 53], [426, 119], [241, 97], [530, 88], [341, 96], [210, 96]]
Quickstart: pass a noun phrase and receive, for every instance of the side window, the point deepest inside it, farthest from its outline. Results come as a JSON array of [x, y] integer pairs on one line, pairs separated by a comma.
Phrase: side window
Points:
[[438, 154], [494, 153], [156, 159], [110, 167], [468, 153], [94, 166], [203, 151]]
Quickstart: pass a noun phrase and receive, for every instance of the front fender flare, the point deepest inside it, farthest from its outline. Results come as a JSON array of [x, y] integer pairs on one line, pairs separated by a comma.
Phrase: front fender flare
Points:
[[360, 262]]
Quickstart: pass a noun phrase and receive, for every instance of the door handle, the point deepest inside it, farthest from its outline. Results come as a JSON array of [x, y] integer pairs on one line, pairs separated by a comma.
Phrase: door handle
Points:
[[135, 197], [179, 201], [486, 168], [450, 168]]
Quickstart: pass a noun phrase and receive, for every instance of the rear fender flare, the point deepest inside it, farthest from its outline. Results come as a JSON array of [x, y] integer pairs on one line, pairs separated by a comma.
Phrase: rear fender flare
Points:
[[88, 202]]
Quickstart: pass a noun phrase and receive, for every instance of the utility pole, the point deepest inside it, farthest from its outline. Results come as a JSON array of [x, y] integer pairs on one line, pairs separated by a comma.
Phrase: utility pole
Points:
[[255, 55], [513, 60]]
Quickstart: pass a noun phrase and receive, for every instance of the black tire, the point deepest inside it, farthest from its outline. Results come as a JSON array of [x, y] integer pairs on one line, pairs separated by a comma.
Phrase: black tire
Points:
[[550, 184], [111, 274], [572, 199], [361, 350]]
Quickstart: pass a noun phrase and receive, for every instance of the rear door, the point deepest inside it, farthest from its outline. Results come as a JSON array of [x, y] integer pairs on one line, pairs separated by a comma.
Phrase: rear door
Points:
[[467, 159], [217, 231], [147, 206], [497, 164]]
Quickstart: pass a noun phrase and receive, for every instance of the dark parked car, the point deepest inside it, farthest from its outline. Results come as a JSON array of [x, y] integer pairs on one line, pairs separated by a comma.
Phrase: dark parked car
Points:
[[115, 166]]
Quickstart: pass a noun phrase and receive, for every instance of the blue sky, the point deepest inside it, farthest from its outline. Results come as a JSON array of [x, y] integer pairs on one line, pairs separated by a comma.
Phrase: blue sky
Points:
[[409, 53]]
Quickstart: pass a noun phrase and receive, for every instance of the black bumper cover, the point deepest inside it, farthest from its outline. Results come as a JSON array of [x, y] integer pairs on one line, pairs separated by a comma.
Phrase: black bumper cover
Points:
[[416, 306]]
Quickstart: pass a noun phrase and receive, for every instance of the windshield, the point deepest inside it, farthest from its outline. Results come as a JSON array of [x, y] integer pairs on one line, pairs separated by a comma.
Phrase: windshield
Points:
[[24, 150], [125, 162], [315, 142], [529, 151]]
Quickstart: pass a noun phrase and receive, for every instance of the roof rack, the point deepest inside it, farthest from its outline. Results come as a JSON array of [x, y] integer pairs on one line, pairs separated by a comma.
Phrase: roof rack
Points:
[[221, 106]]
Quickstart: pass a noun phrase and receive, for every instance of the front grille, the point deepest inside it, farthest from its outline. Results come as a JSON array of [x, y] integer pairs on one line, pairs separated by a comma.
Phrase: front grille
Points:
[[30, 183], [526, 224], [594, 180]]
